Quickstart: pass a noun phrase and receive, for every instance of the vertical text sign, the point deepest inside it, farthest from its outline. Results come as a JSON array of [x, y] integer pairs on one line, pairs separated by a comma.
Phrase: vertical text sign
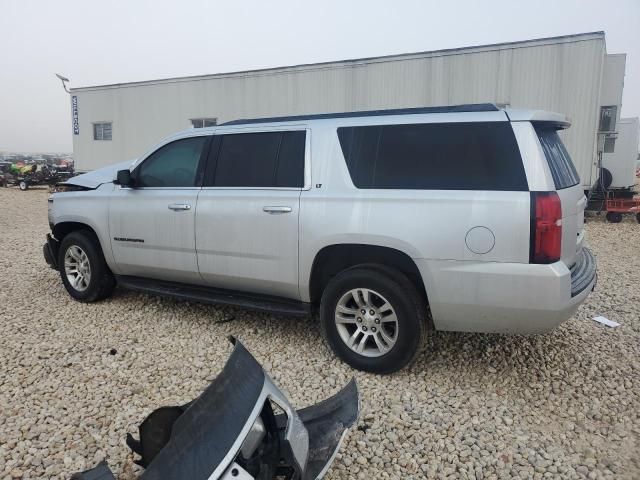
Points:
[[74, 109]]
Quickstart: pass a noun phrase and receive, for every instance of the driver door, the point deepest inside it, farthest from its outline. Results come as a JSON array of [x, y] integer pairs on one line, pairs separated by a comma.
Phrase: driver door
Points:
[[152, 225]]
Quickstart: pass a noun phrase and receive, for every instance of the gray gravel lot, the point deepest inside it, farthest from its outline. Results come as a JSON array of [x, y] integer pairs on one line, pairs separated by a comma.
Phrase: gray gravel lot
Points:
[[561, 405]]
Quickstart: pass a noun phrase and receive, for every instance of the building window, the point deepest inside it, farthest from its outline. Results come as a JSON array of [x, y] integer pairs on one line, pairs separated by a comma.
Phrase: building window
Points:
[[608, 117], [609, 144], [102, 131], [203, 122]]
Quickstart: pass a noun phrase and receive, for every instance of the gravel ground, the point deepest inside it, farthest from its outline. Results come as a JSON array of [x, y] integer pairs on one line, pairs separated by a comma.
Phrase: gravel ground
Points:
[[561, 405]]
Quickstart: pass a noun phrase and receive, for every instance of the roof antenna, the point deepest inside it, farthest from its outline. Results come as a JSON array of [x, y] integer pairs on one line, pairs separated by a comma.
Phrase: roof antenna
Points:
[[64, 81]]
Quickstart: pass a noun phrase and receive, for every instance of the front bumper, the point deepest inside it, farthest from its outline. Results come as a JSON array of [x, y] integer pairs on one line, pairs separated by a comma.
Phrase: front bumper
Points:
[[517, 298], [50, 251], [231, 432]]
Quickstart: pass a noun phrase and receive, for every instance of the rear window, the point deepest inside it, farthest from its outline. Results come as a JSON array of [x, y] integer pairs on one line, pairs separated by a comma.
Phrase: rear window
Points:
[[434, 156], [562, 169]]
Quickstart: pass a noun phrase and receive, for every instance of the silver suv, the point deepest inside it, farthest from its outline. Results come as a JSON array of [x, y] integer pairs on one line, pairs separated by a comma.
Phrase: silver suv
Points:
[[388, 223]]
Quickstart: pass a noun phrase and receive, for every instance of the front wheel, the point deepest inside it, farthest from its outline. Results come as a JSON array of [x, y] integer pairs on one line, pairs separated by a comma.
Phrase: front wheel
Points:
[[83, 270], [24, 185], [373, 318]]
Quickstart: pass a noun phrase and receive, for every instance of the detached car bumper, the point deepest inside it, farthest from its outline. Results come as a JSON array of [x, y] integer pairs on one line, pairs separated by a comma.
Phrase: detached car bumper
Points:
[[231, 431], [50, 251], [514, 298]]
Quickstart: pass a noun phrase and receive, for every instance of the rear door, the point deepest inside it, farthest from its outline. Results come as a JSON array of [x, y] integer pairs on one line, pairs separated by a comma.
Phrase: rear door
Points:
[[569, 189], [152, 226], [247, 214]]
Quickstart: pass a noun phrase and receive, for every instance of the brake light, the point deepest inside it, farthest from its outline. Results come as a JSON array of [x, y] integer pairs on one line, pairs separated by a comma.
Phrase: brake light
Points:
[[546, 227]]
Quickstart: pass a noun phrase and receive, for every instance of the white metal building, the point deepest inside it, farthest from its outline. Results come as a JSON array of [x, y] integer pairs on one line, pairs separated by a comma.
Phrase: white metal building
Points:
[[621, 161], [570, 74]]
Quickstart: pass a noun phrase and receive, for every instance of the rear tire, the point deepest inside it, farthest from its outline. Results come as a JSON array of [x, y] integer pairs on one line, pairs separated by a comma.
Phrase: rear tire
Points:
[[82, 267], [614, 217], [373, 342]]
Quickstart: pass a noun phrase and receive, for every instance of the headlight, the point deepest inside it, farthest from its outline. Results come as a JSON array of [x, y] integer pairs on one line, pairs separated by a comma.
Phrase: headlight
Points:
[[67, 187]]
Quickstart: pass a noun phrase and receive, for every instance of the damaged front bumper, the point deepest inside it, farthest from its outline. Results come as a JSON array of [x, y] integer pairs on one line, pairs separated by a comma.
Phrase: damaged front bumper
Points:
[[232, 432], [50, 251]]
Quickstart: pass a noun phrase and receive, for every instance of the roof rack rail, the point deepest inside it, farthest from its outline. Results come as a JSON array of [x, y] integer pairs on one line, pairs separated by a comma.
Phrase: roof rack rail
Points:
[[475, 107]]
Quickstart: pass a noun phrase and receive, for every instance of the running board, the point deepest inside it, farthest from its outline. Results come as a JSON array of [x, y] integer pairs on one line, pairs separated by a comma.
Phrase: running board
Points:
[[216, 296]]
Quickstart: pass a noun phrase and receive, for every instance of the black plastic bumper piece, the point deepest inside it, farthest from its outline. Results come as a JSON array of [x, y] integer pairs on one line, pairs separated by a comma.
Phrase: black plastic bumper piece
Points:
[[326, 423], [583, 272], [50, 251], [99, 472]]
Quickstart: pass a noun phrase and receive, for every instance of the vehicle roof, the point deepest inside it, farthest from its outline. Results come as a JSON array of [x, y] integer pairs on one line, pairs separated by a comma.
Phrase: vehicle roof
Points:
[[474, 107], [469, 112]]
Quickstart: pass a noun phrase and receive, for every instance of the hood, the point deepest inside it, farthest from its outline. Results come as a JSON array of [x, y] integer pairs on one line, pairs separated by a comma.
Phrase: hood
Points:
[[95, 178]]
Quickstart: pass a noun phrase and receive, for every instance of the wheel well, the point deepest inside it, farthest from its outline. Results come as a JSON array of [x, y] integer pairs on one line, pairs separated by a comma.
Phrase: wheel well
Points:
[[61, 230], [333, 259]]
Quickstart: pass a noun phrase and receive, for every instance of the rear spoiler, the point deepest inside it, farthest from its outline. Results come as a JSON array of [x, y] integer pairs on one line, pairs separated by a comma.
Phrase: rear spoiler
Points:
[[558, 120]]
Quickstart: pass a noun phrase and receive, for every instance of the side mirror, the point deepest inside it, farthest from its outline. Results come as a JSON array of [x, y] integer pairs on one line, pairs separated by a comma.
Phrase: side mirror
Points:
[[124, 178]]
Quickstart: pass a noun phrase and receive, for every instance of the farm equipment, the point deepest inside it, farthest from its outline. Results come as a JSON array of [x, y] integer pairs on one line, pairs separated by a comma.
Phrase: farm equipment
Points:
[[29, 175], [616, 207]]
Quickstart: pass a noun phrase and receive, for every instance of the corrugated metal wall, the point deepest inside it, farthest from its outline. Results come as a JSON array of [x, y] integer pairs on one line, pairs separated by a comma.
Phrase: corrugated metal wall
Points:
[[562, 76]]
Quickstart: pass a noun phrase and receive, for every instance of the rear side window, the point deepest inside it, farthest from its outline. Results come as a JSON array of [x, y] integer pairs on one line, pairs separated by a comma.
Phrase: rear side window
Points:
[[440, 156], [562, 169], [266, 159]]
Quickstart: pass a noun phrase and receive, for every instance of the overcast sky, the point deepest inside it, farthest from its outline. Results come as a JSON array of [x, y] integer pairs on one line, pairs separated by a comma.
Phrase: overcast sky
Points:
[[98, 42]]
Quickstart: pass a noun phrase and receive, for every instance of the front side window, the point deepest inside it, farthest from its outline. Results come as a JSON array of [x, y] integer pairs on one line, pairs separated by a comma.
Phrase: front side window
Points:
[[562, 169], [102, 131], [173, 165], [264, 159], [434, 156], [203, 122]]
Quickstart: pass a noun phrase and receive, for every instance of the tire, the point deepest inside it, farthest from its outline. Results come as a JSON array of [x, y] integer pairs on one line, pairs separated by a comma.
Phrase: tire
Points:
[[24, 185], [99, 283], [385, 287], [638, 217], [614, 217], [605, 179]]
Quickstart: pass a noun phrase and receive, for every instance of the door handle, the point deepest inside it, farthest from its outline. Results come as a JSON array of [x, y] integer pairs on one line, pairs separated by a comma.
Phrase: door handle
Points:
[[179, 206], [276, 210]]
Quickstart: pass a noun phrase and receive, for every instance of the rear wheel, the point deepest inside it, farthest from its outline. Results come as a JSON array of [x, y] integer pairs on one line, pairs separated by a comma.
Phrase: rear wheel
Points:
[[24, 185], [638, 217], [374, 320], [614, 217], [83, 270]]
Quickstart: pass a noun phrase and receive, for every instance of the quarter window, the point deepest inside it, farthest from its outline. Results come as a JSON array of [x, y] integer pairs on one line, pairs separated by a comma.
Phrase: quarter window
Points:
[[434, 156], [562, 169], [102, 131], [265, 159], [173, 165], [203, 122]]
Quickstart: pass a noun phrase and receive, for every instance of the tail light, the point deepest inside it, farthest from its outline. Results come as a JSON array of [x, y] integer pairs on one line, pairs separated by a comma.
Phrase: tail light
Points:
[[546, 227]]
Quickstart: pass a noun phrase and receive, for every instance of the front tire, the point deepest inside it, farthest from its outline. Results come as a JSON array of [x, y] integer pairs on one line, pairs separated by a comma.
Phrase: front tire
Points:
[[373, 318], [24, 185], [82, 267]]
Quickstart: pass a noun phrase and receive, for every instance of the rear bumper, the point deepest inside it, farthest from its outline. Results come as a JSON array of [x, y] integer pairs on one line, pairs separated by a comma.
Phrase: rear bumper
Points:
[[506, 297], [50, 251]]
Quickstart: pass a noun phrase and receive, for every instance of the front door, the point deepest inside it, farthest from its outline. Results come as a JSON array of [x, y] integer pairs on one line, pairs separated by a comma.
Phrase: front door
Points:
[[152, 225], [247, 215]]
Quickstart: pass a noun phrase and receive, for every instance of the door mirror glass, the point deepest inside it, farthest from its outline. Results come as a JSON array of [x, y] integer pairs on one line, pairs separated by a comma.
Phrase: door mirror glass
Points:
[[124, 178]]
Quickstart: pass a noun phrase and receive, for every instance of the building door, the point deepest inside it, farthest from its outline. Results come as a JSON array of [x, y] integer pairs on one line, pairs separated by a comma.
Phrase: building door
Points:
[[152, 225], [247, 214]]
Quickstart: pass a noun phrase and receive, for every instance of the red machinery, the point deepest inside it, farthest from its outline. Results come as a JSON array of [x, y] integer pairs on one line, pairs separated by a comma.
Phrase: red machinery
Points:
[[616, 207]]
